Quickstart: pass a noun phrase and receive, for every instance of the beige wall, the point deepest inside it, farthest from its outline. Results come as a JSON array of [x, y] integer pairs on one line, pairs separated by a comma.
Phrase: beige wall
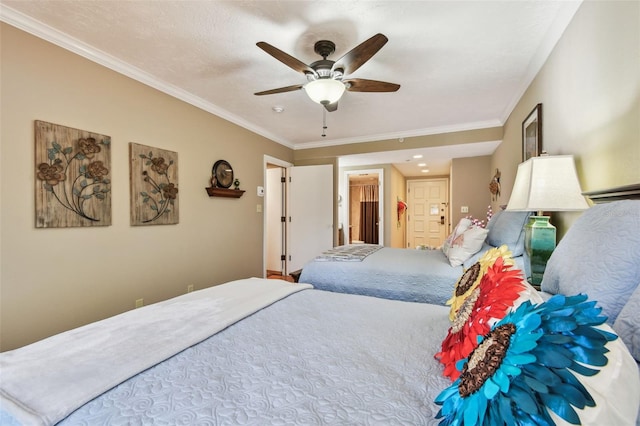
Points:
[[397, 191], [590, 91], [470, 179], [55, 279]]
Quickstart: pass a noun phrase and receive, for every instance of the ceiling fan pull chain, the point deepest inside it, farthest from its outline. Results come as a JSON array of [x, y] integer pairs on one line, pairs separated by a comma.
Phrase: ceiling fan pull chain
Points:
[[324, 122]]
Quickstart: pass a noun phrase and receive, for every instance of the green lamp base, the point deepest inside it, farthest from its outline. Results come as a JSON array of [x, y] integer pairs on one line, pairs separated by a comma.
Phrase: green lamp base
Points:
[[539, 243]]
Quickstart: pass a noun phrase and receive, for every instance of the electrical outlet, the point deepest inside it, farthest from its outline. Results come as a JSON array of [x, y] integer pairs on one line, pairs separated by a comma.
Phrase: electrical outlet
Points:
[[464, 209], [139, 303], [189, 288]]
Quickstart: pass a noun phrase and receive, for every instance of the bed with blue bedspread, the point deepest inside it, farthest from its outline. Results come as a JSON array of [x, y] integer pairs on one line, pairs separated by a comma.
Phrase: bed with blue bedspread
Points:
[[257, 351], [426, 276]]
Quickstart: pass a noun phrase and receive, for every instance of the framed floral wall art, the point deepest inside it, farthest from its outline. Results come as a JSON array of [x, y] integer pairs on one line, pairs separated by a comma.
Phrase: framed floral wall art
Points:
[[154, 185], [72, 177]]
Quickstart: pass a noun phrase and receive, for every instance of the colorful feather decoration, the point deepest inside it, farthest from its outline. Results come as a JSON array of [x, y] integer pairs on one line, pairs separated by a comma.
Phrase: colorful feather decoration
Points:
[[523, 368], [472, 277], [499, 288]]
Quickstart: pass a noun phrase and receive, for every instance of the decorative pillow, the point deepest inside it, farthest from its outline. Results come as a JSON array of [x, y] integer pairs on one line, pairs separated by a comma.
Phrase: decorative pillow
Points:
[[627, 324], [466, 245], [472, 277], [462, 226], [599, 256], [473, 259], [501, 286], [507, 228], [533, 368]]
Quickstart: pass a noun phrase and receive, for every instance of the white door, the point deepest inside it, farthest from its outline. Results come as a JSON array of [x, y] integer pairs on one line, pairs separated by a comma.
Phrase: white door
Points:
[[428, 210], [274, 226], [310, 214]]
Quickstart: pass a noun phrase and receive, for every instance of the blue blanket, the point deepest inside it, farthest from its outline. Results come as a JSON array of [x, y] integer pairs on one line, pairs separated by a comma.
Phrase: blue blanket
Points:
[[392, 273], [312, 358]]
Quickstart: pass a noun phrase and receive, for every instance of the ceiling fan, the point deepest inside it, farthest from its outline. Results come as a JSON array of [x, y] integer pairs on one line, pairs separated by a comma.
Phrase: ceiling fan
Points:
[[325, 77]]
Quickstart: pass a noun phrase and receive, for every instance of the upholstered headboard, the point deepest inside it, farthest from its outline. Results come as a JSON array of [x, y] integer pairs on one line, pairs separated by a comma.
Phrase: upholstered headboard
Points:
[[600, 256], [626, 192]]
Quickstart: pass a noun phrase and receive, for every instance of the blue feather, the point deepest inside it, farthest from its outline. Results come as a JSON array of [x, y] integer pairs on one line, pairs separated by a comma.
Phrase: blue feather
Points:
[[506, 412], [589, 356], [569, 378], [556, 339], [553, 356], [571, 394], [561, 407], [560, 324], [523, 398], [543, 374], [535, 384], [583, 370], [589, 343], [471, 412]]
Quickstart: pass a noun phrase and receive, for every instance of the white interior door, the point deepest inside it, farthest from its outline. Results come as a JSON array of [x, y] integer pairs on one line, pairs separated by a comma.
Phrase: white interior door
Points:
[[274, 226], [428, 210], [310, 214]]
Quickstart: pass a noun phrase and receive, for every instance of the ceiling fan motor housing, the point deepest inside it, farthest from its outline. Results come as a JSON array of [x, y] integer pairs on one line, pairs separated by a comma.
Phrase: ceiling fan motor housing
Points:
[[324, 48]]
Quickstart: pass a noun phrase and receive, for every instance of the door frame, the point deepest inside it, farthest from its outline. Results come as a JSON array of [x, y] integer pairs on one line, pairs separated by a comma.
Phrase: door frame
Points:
[[346, 202], [279, 163]]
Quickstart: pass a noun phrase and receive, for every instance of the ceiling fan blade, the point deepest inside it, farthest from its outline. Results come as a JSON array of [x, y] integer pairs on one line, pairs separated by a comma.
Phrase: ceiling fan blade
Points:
[[286, 59], [364, 85], [280, 90], [331, 107], [360, 54]]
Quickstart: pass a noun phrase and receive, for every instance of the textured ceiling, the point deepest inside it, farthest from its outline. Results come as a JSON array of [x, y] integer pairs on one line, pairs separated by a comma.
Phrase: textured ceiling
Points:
[[461, 64]]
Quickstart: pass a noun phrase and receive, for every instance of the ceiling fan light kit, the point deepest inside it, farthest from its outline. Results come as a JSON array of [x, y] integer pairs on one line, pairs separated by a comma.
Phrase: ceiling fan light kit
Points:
[[326, 85], [325, 91]]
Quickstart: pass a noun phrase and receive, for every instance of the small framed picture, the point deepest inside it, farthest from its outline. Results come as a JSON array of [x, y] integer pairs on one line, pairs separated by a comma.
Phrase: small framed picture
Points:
[[532, 134]]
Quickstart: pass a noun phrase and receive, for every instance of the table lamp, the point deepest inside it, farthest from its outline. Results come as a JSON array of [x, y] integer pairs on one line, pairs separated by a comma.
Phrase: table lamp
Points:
[[547, 183]]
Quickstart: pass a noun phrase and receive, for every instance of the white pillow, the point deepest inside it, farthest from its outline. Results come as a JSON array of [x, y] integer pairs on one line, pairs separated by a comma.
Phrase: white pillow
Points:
[[462, 226], [466, 245]]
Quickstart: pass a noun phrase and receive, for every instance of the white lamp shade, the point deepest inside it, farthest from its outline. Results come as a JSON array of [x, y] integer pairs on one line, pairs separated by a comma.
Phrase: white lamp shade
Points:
[[324, 90], [547, 183]]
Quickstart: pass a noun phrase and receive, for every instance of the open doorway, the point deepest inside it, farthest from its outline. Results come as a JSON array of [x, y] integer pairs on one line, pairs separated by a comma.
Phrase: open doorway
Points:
[[298, 214], [363, 207], [275, 229]]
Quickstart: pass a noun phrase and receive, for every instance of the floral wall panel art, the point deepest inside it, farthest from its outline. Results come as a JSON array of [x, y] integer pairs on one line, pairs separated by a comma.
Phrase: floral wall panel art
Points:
[[154, 185], [72, 177]]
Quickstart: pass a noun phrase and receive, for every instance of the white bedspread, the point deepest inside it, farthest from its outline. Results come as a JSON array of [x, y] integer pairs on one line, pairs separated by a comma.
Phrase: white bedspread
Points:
[[114, 349]]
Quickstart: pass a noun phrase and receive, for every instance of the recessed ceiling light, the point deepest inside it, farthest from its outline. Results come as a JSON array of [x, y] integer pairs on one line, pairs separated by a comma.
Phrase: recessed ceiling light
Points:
[[425, 170], [417, 156], [422, 164], [277, 109]]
